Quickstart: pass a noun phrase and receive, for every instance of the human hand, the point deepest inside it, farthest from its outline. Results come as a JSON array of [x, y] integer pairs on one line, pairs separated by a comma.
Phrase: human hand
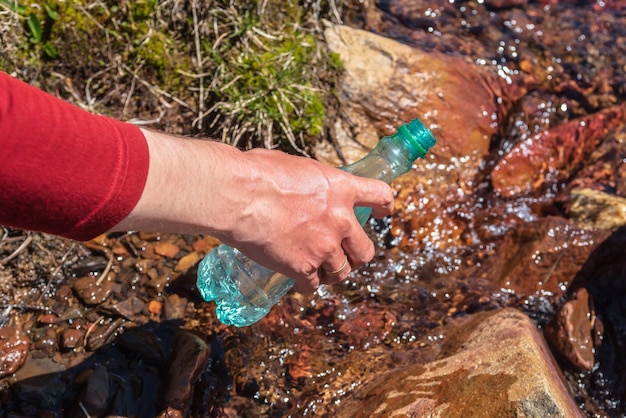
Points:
[[291, 214], [296, 215]]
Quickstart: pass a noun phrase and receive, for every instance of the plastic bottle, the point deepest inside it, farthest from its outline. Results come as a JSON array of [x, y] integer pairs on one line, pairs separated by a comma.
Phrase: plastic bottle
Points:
[[245, 291]]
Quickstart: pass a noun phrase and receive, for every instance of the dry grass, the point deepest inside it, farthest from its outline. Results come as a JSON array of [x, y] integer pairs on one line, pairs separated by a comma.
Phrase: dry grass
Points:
[[249, 72]]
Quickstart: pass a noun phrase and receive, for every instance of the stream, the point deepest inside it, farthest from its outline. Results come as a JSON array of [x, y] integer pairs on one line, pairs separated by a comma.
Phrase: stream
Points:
[[480, 224]]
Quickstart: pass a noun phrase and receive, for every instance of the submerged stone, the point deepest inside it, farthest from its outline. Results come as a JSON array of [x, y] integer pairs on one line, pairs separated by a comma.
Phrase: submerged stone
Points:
[[538, 162]]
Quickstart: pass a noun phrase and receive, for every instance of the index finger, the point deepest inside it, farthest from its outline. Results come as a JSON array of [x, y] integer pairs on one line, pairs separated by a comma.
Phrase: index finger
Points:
[[375, 194]]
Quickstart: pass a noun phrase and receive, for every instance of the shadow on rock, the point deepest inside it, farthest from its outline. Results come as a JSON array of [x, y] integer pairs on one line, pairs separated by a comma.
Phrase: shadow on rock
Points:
[[588, 332], [156, 369]]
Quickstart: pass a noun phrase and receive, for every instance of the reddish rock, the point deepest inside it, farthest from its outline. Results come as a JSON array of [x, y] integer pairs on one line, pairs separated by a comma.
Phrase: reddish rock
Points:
[[13, 348], [505, 4], [72, 338], [541, 256], [571, 331], [387, 83], [544, 159], [368, 326]]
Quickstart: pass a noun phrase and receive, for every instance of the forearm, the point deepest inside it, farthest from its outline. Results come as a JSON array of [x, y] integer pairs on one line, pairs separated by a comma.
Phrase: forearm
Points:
[[291, 214], [190, 187]]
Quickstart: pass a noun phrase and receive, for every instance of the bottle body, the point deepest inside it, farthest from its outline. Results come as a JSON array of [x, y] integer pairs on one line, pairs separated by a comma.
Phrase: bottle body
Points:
[[245, 291]]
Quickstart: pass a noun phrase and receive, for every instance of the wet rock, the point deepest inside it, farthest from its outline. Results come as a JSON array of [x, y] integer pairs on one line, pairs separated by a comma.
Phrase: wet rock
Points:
[[538, 162], [103, 334], [187, 261], [72, 338], [205, 244], [48, 319], [167, 249], [171, 413], [495, 364], [95, 397], [543, 256], [73, 312], [90, 292], [505, 4], [155, 308], [604, 278], [143, 343], [595, 209], [47, 342], [13, 347], [128, 308], [571, 331], [89, 265], [175, 307], [39, 383], [387, 83], [188, 358], [365, 327]]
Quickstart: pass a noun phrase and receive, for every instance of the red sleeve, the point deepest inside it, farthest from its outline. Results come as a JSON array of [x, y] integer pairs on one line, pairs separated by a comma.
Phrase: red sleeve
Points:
[[63, 170]]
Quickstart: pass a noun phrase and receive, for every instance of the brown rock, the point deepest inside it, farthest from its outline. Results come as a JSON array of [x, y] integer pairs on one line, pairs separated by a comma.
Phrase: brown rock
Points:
[[540, 256], [72, 338], [166, 249], [495, 365], [505, 4], [570, 331], [90, 292], [387, 83], [127, 308], [189, 357], [548, 157], [187, 262], [174, 307], [13, 348]]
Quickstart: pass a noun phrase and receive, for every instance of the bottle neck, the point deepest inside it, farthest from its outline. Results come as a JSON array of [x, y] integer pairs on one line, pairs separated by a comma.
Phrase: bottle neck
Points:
[[394, 155], [391, 158]]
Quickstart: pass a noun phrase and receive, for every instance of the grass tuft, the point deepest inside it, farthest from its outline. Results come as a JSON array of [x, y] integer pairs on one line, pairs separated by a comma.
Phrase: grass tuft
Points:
[[253, 73]]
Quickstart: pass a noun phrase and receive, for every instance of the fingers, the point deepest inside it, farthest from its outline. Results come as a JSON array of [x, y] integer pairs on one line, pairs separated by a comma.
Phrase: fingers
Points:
[[358, 247], [336, 269], [375, 194]]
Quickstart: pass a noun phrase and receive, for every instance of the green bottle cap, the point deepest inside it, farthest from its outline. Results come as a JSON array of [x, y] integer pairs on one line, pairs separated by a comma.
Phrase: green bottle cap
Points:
[[418, 137]]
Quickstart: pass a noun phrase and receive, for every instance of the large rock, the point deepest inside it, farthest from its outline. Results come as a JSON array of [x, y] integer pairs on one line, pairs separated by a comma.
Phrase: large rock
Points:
[[387, 83], [494, 365], [549, 157]]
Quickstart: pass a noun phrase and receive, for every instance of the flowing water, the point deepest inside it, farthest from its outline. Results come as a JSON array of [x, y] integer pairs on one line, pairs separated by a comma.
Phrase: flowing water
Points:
[[465, 238]]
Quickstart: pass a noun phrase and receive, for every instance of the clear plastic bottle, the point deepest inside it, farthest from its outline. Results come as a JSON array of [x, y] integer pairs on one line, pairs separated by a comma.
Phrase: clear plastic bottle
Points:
[[245, 291]]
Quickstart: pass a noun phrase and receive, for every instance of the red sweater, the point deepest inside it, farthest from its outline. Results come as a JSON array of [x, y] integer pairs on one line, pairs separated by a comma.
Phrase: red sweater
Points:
[[63, 170]]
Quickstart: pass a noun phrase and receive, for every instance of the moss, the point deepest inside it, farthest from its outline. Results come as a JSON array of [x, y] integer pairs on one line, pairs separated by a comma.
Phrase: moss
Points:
[[264, 73], [269, 69]]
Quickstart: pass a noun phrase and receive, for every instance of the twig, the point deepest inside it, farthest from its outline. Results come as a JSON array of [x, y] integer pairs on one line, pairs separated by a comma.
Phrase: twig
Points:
[[19, 249], [154, 89], [56, 271], [196, 38], [84, 409], [333, 7], [106, 270], [91, 328]]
